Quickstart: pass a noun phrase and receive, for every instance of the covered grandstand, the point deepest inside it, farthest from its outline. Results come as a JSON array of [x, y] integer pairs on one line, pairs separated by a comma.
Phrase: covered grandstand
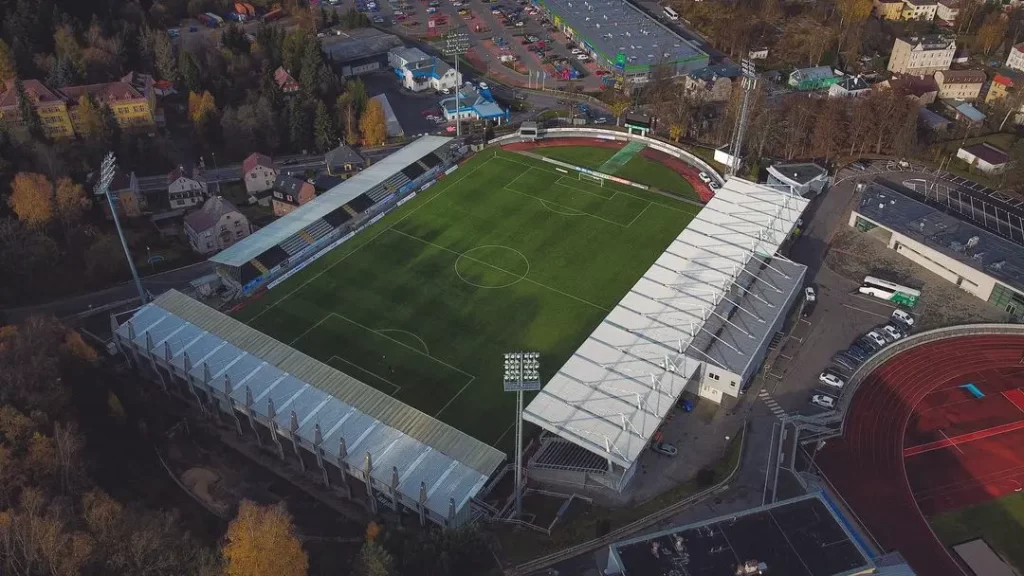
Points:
[[293, 238], [355, 438], [699, 320]]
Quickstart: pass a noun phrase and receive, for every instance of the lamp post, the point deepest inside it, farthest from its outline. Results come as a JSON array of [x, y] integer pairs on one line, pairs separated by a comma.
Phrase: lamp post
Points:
[[522, 373], [107, 171], [456, 43]]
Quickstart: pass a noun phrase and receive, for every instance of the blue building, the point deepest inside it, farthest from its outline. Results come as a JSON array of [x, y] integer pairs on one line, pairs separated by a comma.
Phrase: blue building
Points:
[[475, 104]]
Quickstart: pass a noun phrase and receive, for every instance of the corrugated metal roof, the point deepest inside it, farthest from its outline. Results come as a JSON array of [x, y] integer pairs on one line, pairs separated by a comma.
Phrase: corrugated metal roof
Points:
[[615, 390], [312, 378], [281, 229]]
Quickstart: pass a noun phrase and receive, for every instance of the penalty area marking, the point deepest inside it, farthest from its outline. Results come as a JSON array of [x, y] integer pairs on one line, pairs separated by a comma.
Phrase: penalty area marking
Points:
[[562, 170], [426, 349], [518, 277], [393, 393], [572, 211]]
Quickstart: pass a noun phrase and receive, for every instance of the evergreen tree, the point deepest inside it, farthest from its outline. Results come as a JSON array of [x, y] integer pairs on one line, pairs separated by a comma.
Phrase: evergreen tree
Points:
[[298, 125], [163, 54], [269, 87], [29, 118], [64, 73], [8, 69], [110, 130], [189, 72], [323, 128], [312, 62]]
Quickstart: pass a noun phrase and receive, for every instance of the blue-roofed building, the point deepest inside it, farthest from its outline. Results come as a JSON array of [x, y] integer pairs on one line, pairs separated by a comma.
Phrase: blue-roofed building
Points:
[[931, 120], [969, 113], [418, 71], [474, 104], [813, 78]]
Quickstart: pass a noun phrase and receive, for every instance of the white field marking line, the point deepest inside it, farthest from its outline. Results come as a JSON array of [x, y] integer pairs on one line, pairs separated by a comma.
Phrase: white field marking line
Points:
[[619, 224], [406, 332], [466, 385], [578, 189], [503, 433], [519, 279], [635, 218], [370, 372], [574, 213], [403, 344], [534, 282], [943, 432], [370, 241], [1010, 401], [864, 311], [308, 330]]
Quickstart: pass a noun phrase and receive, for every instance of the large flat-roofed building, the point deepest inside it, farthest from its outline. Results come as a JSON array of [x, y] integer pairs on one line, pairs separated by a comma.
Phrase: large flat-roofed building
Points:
[[619, 36], [359, 441], [699, 320], [288, 241], [921, 55], [977, 261], [359, 51], [804, 536]]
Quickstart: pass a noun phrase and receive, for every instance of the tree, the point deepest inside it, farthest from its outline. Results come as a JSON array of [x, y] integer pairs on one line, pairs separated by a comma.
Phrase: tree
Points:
[[189, 71], [70, 200], [90, 119], [374, 560], [8, 69], [27, 111], [299, 125], [992, 32], [853, 11], [201, 107], [356, 91], [163, 53], [261, 541], [32, 198], [348, 119], [323, 128], [373, 125], [618, 107]]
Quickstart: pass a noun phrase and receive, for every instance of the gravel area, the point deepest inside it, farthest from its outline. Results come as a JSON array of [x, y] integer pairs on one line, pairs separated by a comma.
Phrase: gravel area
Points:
[[856, 254]]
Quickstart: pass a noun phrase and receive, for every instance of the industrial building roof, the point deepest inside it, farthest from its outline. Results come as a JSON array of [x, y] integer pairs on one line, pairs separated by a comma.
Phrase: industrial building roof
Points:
[[284, 227], [471, 99], [304, 392], [614, 26], [358, 43], [613, 393], [952, 237]]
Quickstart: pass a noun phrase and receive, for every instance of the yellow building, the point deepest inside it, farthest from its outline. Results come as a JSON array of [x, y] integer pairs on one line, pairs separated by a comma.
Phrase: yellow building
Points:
[[51, 108], [132, 110], [888, 9]]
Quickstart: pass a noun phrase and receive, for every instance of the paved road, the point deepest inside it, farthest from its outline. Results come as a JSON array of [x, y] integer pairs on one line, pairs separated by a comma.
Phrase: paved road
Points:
[[233, 172]]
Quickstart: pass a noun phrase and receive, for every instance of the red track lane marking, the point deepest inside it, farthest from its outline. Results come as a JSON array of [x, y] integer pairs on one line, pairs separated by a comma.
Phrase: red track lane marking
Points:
[[962, 439], [1016, 396]]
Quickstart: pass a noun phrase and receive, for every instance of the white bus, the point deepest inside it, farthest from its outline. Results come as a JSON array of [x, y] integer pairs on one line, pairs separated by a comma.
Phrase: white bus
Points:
[[889, 291], [671, 14]]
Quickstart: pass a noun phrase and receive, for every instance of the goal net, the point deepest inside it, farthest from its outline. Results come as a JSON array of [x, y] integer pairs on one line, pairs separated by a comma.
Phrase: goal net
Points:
[[594, 180]]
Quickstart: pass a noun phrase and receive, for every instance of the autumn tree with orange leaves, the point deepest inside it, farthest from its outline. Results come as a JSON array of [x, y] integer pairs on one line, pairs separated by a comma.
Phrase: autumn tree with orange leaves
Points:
[[261, 541], [32, 198]]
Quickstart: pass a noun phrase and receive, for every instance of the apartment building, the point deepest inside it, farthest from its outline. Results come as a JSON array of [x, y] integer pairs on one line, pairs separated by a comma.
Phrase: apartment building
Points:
[[920, 9], [49, 105], [947, 11], [921, 55], [960, 84], [1015, 61]]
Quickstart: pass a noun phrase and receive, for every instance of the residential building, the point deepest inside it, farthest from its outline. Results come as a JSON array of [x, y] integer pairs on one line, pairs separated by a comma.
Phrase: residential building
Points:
[[931, 120], [1004, 84], [759, 53], [960, 84], [132, 109], [284, 81], [920, 9], [418, 71], [215, 226], [124, 189], [258, 173], [50, 107], [1015, 61], [290, 193], [888, 9], [473, 104], [985, 157], [814, 78], [343, 161], [144, 84], [947, 11], [921, 55], [922, 89], [967, 113], [712, 83], [186, 187], [849, 87]]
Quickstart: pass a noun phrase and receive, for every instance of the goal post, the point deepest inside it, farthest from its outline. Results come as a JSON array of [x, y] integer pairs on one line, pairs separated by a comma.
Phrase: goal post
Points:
[[590, 179]]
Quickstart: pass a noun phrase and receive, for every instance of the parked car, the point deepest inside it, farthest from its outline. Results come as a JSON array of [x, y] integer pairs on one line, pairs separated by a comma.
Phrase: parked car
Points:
[[445, 91], [857, 353], [829, 379], [664, 448], [903, 317], [810, 295], [601, 120], [877, 338], [892, 332], [824, 401], [844, 361], [713, 185], [704, 177], [867, 345], [577, 51]]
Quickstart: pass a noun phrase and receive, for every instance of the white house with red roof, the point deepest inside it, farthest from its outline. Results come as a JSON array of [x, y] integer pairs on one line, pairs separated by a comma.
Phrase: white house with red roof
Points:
[[186, 187], [258, 173], [284, 81]]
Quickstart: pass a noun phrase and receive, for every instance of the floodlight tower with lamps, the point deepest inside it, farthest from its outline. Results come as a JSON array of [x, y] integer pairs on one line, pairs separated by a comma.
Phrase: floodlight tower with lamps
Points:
[[456, 43], [522, 373], [107, 171], [749, 83]]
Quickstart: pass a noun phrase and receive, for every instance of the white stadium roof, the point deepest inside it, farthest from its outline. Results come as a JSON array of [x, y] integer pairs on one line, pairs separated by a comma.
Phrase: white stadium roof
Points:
[[283, 228], [613, 393]]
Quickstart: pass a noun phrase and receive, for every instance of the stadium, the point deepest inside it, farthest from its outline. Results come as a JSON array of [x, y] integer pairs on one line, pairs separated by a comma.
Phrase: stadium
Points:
[[370, 352]]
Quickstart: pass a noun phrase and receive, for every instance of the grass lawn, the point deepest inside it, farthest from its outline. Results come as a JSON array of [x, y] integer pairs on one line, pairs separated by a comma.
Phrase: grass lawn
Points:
[[1000, 522], [638, 169], [585, 156], [506, 253]]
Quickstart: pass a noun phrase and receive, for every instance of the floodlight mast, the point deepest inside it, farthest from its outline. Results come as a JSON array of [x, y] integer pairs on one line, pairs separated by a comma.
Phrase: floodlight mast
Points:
[[107, 171], [457, 43], [522, 372]]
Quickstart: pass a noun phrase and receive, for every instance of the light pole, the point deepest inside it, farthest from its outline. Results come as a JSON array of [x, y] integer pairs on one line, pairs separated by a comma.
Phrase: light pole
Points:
[[456, 43], [522, 373], [107, 170]]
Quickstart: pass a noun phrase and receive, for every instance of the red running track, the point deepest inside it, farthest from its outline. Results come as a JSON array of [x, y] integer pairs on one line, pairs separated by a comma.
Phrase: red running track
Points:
[[867, 465]]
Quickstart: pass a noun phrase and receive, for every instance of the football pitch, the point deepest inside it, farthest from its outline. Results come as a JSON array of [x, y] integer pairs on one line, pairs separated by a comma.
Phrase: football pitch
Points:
[[507, 253]]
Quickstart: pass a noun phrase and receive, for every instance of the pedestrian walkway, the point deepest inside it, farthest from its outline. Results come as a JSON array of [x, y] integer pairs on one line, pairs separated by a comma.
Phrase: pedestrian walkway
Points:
[[771, 403], [619, 159]]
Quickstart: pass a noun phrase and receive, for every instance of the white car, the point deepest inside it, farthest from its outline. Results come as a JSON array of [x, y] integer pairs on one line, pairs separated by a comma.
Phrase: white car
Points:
[[445, 91], [830, 379], [704, 177], [457, 4], [583, 57], [577, 51], [483, 86], [892, 332], [876, 338], [903, 317], [823, 401], [809, 294]]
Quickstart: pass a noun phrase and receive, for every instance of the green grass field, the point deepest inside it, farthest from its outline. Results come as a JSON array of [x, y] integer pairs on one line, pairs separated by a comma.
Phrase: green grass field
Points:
[[506, 253], [638, 169], [1000, 522]]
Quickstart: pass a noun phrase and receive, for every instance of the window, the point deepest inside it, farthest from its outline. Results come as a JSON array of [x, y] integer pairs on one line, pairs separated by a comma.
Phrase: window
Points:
[[239, 234], [238, 223]]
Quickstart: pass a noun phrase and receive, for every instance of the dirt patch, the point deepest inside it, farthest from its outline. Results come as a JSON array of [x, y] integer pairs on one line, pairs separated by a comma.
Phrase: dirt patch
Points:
[[855, 254], [203, 483]]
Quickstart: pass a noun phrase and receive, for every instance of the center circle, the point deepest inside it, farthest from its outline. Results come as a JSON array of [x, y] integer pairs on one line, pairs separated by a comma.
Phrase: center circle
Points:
[[492, 266]]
